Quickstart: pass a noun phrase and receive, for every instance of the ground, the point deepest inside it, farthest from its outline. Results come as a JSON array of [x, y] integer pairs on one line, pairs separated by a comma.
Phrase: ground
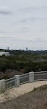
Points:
[[21, 90], [36, 99]]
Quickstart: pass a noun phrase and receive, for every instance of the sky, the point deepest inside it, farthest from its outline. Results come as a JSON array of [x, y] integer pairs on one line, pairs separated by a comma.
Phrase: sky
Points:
[[23, 23]]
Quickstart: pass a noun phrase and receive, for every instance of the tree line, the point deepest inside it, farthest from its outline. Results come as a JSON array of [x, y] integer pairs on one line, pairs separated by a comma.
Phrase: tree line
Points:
[[23, 62]]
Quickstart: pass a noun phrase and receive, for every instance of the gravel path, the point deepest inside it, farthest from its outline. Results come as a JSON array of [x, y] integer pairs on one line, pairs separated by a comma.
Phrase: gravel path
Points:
[[21, 90]]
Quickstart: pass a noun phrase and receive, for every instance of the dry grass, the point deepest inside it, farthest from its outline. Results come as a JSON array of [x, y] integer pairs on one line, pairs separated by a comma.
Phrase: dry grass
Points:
[[36, 99]]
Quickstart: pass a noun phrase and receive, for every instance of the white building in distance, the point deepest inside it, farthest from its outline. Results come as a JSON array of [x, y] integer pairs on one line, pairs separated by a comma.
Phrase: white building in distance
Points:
[[4, 53]]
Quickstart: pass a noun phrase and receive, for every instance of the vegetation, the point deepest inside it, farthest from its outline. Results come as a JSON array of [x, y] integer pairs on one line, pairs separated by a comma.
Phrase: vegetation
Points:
[[23, 62], [36, 99]]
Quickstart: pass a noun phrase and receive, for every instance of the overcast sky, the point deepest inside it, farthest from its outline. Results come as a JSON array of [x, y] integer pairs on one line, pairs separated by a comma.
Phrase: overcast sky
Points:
[[23, 23]]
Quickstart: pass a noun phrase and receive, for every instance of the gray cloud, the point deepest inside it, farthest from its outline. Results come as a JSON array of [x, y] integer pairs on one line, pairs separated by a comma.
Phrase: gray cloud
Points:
[[31, 14], [29, 19], [28, 22], [5, 12], [2, 31], [31, 9], [27, 9], [24, 29]]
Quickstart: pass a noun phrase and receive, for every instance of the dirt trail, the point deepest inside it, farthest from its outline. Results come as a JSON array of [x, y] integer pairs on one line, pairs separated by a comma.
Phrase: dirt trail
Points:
[[21, 90]]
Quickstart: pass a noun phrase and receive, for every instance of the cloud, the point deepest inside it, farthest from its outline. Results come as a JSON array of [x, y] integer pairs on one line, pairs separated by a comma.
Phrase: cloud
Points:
[[4, 10], [32, 9], [31, 14], [38, 40], [2, 31], [29, 19]]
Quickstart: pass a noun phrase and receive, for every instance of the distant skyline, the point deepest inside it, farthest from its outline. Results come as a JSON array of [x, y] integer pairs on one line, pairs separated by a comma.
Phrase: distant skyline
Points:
[[23, 24]]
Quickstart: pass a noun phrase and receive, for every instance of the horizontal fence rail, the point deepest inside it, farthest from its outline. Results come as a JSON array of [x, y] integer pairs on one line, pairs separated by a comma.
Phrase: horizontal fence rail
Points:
[[9, 83], [40, 75], [24, 78]]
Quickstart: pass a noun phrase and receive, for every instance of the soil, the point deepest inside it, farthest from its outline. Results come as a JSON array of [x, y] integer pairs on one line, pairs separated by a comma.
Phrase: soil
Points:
[[36, 99]]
